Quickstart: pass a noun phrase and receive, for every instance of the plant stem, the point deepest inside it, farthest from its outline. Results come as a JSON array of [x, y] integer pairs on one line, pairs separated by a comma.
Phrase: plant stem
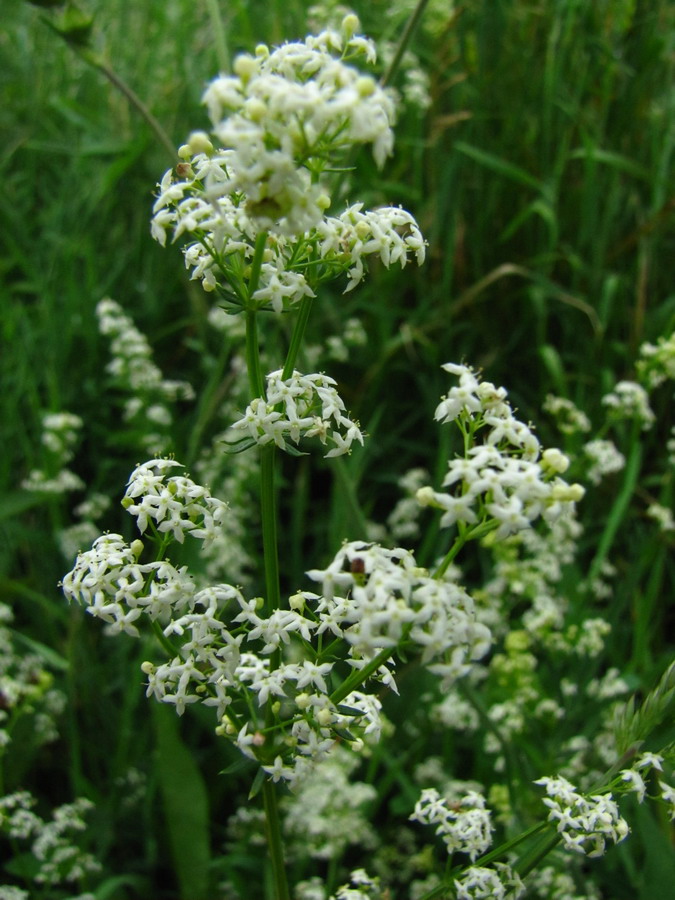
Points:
[[99, 63], [360, 675], [268, 513], [297, 336], [274, 840], [410, 27]]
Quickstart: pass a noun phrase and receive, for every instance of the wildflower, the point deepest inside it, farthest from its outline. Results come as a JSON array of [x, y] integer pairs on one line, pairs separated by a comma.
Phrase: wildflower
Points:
[[604, 458], [465, 826], [506, 478], [296, 407], [629, 400], [482, 883], [175, 503]]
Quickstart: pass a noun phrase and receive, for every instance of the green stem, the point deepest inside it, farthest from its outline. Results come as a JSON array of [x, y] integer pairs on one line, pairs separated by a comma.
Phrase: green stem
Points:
[[255, 377], [410, 27], [360, 675], [468, 534], [98, 63], [297, 336], [268, 512], [219, 36], [274, 842], [621, 503]]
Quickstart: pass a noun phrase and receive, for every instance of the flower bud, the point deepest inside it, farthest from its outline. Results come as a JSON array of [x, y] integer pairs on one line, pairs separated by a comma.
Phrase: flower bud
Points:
[[324, 716], [136, 548], [555, 460], [245, 67], [425, 496], [350, 25], [199, 142]]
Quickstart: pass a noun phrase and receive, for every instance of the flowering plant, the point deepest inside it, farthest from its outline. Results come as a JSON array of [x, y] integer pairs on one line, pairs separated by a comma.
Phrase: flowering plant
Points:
[[295, 679]]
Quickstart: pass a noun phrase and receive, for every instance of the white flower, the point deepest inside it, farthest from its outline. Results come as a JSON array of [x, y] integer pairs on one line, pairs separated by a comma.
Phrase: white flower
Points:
[[175, 503], [297, 407], [629, 400], [585, 823], [465, 826]]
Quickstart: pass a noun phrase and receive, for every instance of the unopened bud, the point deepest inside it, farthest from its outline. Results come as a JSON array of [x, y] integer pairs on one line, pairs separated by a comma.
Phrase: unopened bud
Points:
[[245, 66], [350, 25], [324, 716], [555, 460], [136, 548], [425, 496], [199, 142], [365, 86]]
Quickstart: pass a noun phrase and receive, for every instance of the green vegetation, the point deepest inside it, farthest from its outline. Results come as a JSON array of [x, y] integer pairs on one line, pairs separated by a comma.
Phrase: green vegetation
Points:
[[542, 175]]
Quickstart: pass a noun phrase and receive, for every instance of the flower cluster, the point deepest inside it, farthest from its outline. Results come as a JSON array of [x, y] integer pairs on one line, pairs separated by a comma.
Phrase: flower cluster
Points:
[[300, 406], [60, 432], [173, 503], [657, 362], [505, 477], [465, 826], [325, 814], [134, 371], [390, 232], [26, 689], [482, 883], [374, 597], [228, 652], [585, 823], [569, 418], [57, 856], [285, 116], [629, 400], [602, 458]]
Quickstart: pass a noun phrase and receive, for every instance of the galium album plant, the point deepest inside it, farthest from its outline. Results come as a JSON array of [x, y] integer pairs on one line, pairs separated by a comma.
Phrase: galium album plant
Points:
[[295, 680]]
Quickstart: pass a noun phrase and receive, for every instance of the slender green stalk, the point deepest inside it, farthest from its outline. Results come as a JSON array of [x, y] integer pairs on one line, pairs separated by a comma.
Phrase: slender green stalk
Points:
[[360, 675], [255, 377], [274, 840], [408, 32], [618, 511], [297, 336], [268, 513]]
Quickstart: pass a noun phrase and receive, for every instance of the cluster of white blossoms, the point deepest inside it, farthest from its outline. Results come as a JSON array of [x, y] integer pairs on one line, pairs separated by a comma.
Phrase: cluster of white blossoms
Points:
[[60, 432], [302, 406], [173, 503], [26, 688], [657, 361], [464, 826], [602, 457], [483, 883], [585, 823], [53, 845], [283, 118], [325, 814], [629, 400], [132, 367], [569, 418], [503, 476], [375, 597], [228, 652]]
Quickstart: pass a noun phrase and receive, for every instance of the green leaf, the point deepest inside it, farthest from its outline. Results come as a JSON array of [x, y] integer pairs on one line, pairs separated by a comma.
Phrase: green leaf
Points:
[[185, 806], [256, 787], [615, 160], [500, 166]]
